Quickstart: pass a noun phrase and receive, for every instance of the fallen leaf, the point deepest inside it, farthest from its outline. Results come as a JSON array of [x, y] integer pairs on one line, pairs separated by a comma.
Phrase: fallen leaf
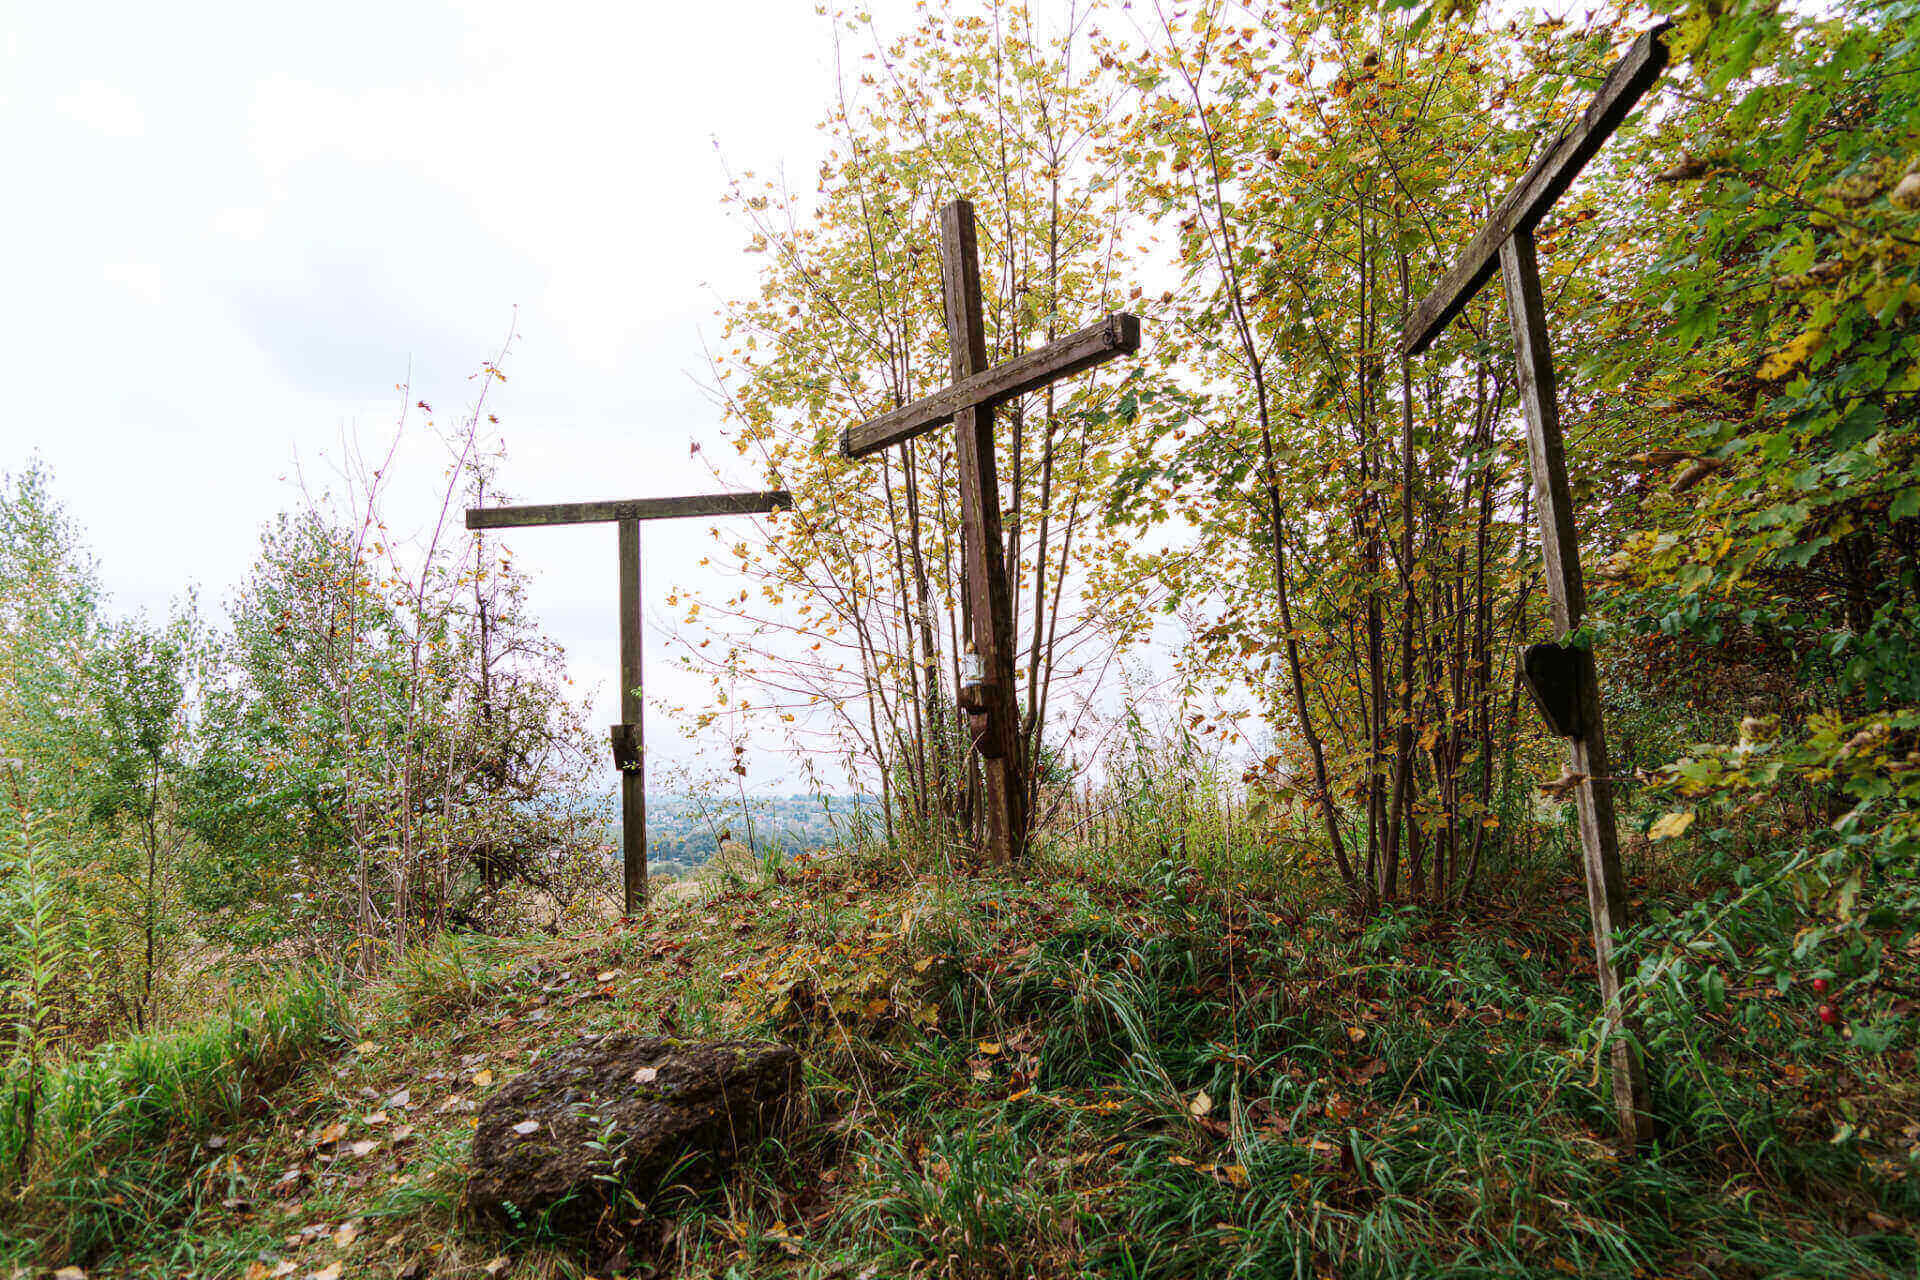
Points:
[[646, 1075], [526, 1127], [346, 1235], [495, 1266], [1356, 1034], [1200, 1105], [366, 1046], [378, 1117], [401, 1099], [332, 1133], [1672, 825], [329, 1272], [483, 1077], [364, 1147], [69, 1273], [401, 1133]]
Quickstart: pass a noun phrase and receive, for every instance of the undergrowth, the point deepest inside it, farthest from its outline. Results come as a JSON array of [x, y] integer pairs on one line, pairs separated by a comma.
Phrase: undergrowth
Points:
[[443, 978], [1073, 1073], [125, 1140]]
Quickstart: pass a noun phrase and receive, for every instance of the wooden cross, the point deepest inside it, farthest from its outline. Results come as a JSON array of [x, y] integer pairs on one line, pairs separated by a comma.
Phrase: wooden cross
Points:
[[629, 736], [987, 688], [1562, 680]]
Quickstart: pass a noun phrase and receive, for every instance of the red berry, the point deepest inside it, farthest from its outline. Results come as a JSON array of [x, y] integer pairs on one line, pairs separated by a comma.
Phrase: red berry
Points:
[[1829, 1014], [1820, 985]]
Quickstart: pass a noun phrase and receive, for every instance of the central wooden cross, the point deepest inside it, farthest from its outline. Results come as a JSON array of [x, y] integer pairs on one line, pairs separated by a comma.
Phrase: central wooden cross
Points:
[[1562, 678], [987, 690], [629, 736]]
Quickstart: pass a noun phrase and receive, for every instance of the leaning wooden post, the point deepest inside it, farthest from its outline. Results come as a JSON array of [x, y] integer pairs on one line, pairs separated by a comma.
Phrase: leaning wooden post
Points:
[[1567, 593], [1563, 680]]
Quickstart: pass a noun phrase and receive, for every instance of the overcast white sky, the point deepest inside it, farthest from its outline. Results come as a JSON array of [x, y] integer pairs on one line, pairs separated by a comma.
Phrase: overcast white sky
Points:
[[231, 229]]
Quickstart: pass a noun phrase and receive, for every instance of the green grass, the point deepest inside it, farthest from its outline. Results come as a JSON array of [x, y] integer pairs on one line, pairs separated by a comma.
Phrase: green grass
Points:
[[443, 978], [127, 1139], [1148, 1073], [1201, 1087]]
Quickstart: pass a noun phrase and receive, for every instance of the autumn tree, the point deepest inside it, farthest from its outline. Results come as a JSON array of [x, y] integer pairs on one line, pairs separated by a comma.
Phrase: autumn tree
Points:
[[1320, 171], [847, 324]]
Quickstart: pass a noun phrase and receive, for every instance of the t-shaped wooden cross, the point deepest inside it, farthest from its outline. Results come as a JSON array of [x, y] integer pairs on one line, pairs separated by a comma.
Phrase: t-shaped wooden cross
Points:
[[988, 693], [629, 736]]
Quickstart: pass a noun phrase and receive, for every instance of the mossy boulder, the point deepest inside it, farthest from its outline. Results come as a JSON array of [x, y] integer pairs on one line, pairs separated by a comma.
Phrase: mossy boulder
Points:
[[560, 1147]]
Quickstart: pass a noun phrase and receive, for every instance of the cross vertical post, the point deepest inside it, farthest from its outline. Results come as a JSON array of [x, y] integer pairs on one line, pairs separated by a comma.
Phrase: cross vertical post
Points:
[[1567, 594], [1564, 681], [987, 692], [996, 717], [629, 736]]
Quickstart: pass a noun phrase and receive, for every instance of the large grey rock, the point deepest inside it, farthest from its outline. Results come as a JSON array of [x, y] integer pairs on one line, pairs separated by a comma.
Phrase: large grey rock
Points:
[[556, 1147]]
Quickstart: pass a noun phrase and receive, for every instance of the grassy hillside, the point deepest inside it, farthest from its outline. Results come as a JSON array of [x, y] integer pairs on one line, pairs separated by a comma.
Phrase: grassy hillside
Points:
[[1080, 1073]]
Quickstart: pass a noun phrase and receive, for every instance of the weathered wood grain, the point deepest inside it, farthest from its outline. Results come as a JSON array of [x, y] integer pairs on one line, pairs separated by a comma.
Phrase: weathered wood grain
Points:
[[1566, 592], [699, 504], [631, 733], [990, 596], [1117, 335]]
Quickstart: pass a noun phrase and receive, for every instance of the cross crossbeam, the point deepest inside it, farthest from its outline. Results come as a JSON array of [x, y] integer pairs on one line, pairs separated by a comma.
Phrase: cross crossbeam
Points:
[[629, 736], [1539, 188], [699, 504], [1116, 335]]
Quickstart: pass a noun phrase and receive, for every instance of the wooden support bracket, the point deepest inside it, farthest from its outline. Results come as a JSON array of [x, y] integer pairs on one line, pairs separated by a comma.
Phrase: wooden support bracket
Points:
[[1554, 676], [629, 749]]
